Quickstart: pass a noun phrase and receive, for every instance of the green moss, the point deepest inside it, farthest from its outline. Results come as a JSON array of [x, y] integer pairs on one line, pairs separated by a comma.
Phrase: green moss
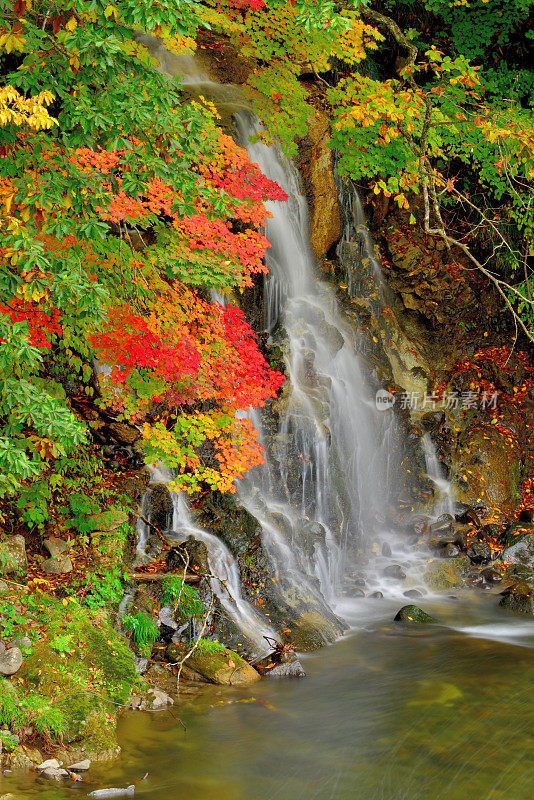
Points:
[[68, 685]]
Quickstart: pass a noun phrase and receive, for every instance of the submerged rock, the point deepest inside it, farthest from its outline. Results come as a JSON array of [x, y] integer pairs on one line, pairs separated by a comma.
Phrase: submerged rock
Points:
[[103, 794], [414, 616], [395, 571]]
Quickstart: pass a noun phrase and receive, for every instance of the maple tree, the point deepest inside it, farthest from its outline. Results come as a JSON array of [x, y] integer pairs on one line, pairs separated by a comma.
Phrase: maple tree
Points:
[[116, 199]]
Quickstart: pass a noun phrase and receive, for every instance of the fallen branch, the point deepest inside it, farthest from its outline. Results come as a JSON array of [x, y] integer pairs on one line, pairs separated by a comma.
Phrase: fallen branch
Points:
[[142, 576]]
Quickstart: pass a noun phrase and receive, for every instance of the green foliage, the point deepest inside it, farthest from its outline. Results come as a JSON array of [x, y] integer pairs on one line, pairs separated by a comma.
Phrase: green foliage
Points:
[[104, 589], [143, 629], [77, 665], [174, 589]]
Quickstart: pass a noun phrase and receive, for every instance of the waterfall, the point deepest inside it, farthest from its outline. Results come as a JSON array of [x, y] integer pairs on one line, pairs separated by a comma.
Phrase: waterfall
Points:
[[443, 502], [332, 467], [325, 498]]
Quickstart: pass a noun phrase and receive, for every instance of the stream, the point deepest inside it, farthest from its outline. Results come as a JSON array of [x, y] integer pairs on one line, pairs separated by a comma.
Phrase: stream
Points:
[[386, 713]]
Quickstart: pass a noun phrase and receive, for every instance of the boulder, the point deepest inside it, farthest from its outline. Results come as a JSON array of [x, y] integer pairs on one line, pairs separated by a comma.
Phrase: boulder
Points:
[[215, 662], [54, 773], [60, 565], [21, 641], [414, 615], [80, 766], [107, 521], [156, 700], [192, 552], [123, 433], [13, 558], [10, 661], [519, 603], [479, 552], [394, 571], [56, 547]]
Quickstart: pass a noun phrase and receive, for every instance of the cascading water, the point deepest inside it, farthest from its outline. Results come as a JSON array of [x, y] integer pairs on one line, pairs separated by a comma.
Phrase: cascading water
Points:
[[324, 498], [332, 466], [225, 576]]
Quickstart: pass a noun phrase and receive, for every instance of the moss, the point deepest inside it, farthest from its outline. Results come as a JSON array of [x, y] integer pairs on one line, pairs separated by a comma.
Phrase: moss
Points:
[[67, 687], [216, 663]]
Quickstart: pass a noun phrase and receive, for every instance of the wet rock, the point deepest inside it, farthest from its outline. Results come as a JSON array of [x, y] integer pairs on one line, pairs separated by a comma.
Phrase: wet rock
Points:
[[492, 575], [56, 547], [376, 595], [479, 552], [413, 593], [520, 531], [312, 631], [54, 773], [519, 603], [414, 616], [216, 663], [357, 592], [315, 160], [394, 571], [60, 565], [292, 669], [13, 556], [80, 766], [192, 552], [450, 551], [450, 574], [160, 507], [386, 550], [123, 433], [10, 661], [157, 699], [520, 553], [469, 516], [104, 794], [50, 763]]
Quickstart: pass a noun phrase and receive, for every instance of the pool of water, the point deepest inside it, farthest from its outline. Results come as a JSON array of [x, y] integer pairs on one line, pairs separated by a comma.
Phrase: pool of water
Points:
[[387, 713]]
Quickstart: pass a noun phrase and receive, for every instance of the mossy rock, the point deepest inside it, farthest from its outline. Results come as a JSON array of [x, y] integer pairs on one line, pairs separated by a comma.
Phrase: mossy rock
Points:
[[216, 663], [441, 576], [74, 679], [413, 615], [311, 632]]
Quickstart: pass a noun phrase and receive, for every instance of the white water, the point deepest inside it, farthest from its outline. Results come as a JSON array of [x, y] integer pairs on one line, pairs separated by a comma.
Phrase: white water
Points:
[[335, 457], [443, 502]]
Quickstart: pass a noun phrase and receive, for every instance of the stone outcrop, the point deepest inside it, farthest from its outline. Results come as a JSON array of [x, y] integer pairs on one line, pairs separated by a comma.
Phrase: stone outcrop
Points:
[[315, 160]]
